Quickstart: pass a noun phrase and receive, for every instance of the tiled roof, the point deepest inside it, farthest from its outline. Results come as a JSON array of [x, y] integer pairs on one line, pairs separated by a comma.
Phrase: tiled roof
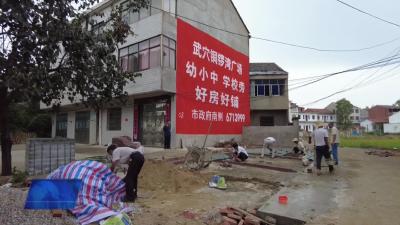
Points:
[[318, 111], [266, 68]]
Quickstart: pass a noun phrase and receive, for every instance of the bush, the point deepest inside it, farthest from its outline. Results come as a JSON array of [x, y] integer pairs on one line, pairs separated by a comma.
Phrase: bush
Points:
[[18, 176], [41, 125]]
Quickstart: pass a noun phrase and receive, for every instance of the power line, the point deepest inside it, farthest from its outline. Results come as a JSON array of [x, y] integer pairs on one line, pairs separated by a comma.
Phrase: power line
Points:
[[375, 64], [282, 42], [369, 14], [327, 50], [359, 85]]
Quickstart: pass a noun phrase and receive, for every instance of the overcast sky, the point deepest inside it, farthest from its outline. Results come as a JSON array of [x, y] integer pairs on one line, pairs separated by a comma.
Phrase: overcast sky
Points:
[[327, 24]]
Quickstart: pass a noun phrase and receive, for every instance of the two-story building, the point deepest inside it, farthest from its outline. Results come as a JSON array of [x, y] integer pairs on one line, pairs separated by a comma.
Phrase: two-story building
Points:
[[308, 118], [269, 99], [355, 115], [152, 50], [378, 116]]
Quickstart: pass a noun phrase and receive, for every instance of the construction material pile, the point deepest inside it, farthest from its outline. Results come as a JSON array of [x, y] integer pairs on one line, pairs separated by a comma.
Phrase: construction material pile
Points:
[[235, 216], [165, 177], [380, 153]]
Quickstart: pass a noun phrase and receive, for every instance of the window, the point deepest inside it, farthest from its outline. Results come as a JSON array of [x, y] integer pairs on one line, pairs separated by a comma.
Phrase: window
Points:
[[114, 119], [61, 125], [98, 28], [155, 52], [351, 118], [147, 54], [266, 121], [331, 117], [169, 6], [318, 117], [155, 7], [272, 87], [169, 52], [357, 118], [144, 55], [313, 117]]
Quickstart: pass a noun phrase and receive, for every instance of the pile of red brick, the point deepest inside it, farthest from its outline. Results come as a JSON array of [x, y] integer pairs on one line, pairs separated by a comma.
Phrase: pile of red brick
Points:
[[235, 216]]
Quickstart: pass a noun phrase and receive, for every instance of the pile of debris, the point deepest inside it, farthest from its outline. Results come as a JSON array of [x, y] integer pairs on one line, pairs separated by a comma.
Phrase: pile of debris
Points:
[[235, 216], [381, 153]]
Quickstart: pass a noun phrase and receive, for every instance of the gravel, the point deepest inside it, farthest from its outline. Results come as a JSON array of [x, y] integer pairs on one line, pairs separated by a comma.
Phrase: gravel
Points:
[[12, 210]]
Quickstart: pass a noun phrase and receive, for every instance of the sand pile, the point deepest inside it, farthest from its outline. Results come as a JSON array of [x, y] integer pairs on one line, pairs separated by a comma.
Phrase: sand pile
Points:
[[166, 177]]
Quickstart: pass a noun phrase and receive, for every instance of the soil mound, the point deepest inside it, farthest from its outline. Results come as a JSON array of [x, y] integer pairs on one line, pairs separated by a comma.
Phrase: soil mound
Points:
[[162, 176]]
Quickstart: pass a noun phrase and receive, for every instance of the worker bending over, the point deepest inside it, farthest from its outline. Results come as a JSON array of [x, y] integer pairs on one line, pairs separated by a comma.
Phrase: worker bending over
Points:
[[135, 159], [239, 153]]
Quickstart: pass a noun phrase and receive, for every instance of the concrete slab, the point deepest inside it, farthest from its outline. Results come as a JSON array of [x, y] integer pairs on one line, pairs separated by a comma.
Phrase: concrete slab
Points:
[[311, 196]]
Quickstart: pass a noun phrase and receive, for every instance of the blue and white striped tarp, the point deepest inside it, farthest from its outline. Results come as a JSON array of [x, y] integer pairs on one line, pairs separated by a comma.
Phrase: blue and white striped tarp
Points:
[[101, 188]]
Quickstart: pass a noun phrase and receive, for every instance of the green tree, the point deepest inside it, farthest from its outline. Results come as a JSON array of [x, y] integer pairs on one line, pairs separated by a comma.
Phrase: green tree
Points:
[[397, 103], [343, 110], [48, 54]]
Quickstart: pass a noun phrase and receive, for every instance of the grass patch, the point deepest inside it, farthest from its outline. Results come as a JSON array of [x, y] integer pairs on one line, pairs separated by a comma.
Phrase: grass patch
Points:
[[371, 141]]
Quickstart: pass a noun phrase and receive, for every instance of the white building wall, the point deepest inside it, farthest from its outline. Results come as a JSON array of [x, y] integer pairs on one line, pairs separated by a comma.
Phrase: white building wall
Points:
[[53, 125], [367, 125], [391, 128], [93, 127], [71, 125], [126, 125], [395, 118]]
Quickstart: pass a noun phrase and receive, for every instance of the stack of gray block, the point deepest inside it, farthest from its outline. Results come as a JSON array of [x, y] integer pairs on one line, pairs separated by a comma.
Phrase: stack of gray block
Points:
[[44, 155]]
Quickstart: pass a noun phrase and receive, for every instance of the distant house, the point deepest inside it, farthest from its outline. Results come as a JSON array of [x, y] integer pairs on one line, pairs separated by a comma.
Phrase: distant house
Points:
[[367, 125], [393, 127], [308, 118], [269, 101], [293, 111], [355, 115], [379, 115]]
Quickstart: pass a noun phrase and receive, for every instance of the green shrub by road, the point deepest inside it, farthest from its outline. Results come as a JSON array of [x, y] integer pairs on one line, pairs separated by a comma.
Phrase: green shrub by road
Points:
[[369, 141]]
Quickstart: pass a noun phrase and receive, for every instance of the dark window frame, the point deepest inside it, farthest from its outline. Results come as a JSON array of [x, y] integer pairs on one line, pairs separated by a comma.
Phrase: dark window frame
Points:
[[129, 51], [139, 14], [98, 28], [267, 121], [112, 124], [268, 87]]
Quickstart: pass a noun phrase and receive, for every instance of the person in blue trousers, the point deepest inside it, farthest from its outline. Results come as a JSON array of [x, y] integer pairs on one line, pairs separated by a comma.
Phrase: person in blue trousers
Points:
[[334, 140]]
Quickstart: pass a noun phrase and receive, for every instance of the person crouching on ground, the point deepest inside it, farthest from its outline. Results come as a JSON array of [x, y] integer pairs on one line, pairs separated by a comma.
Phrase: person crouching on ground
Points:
[[135, 159], [268, 143], [239, 153], [298, 146]]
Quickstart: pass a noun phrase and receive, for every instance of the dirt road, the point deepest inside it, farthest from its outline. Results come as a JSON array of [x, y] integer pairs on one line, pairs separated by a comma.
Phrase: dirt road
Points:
[[371, 195]]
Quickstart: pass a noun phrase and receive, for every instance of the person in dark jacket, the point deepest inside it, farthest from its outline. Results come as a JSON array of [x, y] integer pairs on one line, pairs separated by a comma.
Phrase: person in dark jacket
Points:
[[167, 135]]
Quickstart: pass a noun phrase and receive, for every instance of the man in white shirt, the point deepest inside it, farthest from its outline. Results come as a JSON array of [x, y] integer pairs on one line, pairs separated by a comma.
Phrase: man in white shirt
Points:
[[135, 159], [334, 140], [268, 143], [321, 143], [239, 153]]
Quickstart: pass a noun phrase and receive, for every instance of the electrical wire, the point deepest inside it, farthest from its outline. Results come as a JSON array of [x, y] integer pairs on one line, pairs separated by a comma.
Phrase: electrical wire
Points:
[[357, 86], [281, 42], [363, 67], [369, 14]]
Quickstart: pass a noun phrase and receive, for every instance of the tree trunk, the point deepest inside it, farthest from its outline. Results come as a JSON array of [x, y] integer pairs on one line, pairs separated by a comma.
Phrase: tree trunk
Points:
[[5, 139]]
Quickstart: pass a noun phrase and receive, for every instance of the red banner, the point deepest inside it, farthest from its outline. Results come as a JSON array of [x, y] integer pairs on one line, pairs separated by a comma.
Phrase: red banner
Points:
[[212, 85]]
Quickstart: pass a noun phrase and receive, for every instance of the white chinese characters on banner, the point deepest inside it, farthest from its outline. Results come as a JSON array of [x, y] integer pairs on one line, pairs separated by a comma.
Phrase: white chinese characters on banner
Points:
[[216, 58], [217, 116], [201, 94]]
